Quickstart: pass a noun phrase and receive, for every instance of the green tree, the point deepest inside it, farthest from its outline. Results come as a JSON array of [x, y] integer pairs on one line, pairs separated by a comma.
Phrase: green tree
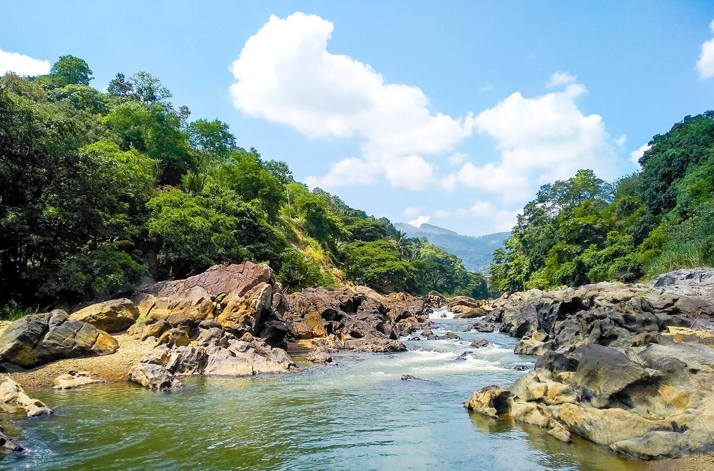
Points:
[[72, 71]]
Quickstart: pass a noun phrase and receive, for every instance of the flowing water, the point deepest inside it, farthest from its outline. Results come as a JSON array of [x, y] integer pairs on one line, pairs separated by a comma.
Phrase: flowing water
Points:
[[358, 415]]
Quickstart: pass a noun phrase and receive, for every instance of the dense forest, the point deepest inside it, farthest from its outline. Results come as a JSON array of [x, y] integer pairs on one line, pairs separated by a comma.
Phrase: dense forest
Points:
[[585, 230], [100, 191]]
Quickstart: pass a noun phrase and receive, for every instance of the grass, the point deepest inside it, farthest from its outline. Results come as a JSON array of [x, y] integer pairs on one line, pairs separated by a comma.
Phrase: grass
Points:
[[13, 311]]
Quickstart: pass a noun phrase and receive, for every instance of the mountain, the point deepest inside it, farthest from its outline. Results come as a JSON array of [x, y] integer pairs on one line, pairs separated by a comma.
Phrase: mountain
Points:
[[475, 252]]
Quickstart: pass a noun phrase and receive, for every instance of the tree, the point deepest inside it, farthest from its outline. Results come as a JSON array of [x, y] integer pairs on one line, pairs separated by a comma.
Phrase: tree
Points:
[[72, 71], [141, 86]]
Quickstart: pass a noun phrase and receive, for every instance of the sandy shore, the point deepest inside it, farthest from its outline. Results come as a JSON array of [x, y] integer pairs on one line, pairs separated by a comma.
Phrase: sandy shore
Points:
[[113, 367], [689, 463]]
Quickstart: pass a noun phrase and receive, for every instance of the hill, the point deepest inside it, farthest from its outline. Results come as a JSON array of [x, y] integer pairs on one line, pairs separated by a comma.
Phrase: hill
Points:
[[475, 252]]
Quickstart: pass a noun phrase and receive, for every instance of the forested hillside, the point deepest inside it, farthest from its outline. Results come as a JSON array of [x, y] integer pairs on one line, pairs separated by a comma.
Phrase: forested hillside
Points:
[[99, 191], [475, 252], [584, 230]]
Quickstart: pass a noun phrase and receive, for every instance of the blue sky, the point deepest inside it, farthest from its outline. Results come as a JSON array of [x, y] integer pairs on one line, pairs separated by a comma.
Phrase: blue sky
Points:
[[442, 110]]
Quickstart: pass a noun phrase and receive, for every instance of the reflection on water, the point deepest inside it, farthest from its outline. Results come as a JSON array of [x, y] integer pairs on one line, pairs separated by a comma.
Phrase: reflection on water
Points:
[[358, 415]]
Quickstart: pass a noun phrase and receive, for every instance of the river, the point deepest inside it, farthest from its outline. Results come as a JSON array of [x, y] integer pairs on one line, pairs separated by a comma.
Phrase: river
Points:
[[356, 416]]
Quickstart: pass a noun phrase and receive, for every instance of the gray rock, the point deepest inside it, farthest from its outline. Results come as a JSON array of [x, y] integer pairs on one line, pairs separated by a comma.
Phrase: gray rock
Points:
[[41, 338], [154, 376]]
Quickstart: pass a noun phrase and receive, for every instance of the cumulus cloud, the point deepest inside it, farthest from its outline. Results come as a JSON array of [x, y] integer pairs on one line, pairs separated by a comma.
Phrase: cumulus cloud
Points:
[[286, 75], [500, 219], [636, 155], [419, 221], [540, 140], [442, 213], [705, 64], [561, 78], [22, 64]]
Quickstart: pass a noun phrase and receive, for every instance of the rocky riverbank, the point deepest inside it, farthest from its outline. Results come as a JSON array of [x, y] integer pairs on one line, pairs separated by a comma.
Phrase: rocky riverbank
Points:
[[232, 320], [626, 366]]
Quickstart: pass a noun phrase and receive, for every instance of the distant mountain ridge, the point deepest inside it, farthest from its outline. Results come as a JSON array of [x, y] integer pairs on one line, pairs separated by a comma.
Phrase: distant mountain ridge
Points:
[[475, 252]]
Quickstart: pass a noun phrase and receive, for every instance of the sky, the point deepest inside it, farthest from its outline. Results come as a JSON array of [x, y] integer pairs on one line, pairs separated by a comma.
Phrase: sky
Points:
[[451, 113]]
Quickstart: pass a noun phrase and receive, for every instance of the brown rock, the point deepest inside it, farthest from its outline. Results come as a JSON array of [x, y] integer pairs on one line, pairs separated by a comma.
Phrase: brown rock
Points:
[[110, 316]]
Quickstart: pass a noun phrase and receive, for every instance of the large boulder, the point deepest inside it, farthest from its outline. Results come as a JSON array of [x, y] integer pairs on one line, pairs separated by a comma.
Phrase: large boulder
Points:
[[646, 402], [242, 298], [110, 316], [41, 338]]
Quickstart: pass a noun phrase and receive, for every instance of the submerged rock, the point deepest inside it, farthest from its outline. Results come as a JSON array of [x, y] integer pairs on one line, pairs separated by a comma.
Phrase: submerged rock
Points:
[[319, 357], [153, 376], [41, 338], [74, 379], [12, 393], [6, 443], [375, 345], [110, 316]]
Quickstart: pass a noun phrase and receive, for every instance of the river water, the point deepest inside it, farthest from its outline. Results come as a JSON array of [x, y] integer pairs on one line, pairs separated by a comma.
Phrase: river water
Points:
[[357, 416]]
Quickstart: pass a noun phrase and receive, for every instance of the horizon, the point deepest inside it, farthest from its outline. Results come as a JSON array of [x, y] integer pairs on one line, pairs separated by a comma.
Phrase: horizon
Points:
[[453, 116]]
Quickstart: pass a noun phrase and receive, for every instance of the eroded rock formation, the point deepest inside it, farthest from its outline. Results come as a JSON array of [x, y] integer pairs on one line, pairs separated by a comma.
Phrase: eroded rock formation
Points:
[[629, 367]]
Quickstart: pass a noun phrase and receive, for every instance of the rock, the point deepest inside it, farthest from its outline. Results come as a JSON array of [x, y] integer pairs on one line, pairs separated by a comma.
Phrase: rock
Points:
[[317, 312], [467, 312], [530, 346], [481, 327], [6, 443], [409, 378], [609, 314], [480, 343], [237, 279], [319, 357], [74, 379], [41, 338], [402, 306], [463, 356], [247, 313], [435, 299], [177, 337], [375, 345], [153, 376], [452, 336], [561, 433], [490, 401], [646, 402], [13, 394], [110, 316]]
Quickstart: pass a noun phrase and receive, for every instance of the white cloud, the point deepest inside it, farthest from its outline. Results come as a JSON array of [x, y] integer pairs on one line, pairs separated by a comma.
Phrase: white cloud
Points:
[[22, 64], [485, 88], [705, 64], [635, 155], [540, 139], [419, 221], [500, 219], [286, 75], [344, 172], [442, 213], [412, 211], [561, 78], [457, 158], [620, 141]]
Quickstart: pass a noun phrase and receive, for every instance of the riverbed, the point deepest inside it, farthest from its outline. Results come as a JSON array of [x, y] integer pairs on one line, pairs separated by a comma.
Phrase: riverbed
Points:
[[357, 415]]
